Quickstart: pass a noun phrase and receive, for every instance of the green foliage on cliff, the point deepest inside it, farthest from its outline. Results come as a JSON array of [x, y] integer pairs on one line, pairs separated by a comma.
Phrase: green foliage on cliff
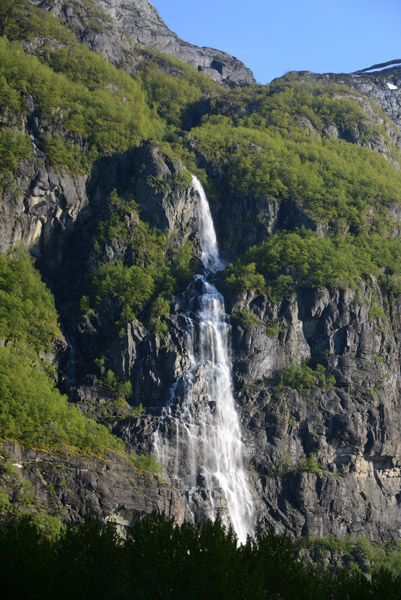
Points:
[[290, 261], [243, 276], [32, 410], [19, 19], [147, 462], [292, 102], [148, 265], [174, 88], [340, 184], [355, 554], [303, 377], [159, 559], [132, 283], [85, 107], [27, 311], [14, 146], [301, 144]]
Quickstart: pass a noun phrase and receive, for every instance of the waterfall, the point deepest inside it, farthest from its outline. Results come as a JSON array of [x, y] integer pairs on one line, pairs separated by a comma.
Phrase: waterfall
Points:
[[198, 441], [209, 250]]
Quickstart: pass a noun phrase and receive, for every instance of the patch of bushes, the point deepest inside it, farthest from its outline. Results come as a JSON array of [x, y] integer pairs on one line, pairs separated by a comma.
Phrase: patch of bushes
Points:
[[308, 464], [302, 377], [27, 311], [147, 462], [246, 316], [19, 19], [174, 88], [340, 184], [85, 107], [356, 554], [290, 261], [150, 266], [33, 411], [14, 146]]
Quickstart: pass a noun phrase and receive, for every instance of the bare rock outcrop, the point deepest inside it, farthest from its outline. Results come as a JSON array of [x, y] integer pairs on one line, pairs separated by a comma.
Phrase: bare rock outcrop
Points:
[[114, 28], [69, 487]]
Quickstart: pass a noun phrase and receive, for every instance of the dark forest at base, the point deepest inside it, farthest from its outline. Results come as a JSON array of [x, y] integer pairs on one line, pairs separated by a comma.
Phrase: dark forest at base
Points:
[[159, 559]]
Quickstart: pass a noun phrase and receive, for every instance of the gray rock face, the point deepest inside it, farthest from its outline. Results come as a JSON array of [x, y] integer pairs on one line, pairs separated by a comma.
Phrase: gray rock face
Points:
[[328, 459], [113, 28], [71, 487], [382, 86], [163, 201], [325, 459], [40, 205]]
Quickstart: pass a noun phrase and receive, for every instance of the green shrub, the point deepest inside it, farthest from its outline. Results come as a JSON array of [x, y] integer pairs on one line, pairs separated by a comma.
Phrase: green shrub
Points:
[[33, 411], [246, 316], [14, 146], [92, 108], [174, 88], [243, 277], [157, 266], [290, 261], [20, 20], [27, 311], [302, 377], [147, 462]]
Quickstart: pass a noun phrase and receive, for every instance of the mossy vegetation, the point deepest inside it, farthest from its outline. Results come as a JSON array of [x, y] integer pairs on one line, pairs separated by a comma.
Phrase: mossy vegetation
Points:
[[308, 464], [147, 462], [291, 261], [174, 88], [303, 377], [148, 267], [32, 410], [246, 316], [84, 106], [356, 554], [27, 312], [14, 146], [19, 19], [274, 143], [340, 184]]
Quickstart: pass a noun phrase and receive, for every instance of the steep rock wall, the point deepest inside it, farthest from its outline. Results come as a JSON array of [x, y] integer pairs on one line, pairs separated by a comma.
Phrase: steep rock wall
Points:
[[324, 458], [328, 457], [121, 27], [69, 487]]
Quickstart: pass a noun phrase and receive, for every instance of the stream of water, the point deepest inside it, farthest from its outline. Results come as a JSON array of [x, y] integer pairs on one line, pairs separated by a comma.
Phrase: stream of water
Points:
[[198, 441]]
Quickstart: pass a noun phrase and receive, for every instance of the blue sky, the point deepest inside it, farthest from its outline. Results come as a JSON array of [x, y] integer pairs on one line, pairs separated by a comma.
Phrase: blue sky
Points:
[[275, 36]]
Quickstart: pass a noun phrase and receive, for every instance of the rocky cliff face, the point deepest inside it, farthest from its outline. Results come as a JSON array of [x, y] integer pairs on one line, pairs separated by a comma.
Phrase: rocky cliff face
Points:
[[321, 443], [114, 28], [381, 84], [325, 458], [69, 487], [329, 456]]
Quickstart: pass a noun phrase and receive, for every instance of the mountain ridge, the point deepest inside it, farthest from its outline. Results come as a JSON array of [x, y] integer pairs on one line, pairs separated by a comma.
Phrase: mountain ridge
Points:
[[304, 186], [139, 23]]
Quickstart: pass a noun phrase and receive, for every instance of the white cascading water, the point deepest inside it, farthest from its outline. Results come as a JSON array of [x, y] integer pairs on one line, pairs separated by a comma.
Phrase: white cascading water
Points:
[[198, 441]]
